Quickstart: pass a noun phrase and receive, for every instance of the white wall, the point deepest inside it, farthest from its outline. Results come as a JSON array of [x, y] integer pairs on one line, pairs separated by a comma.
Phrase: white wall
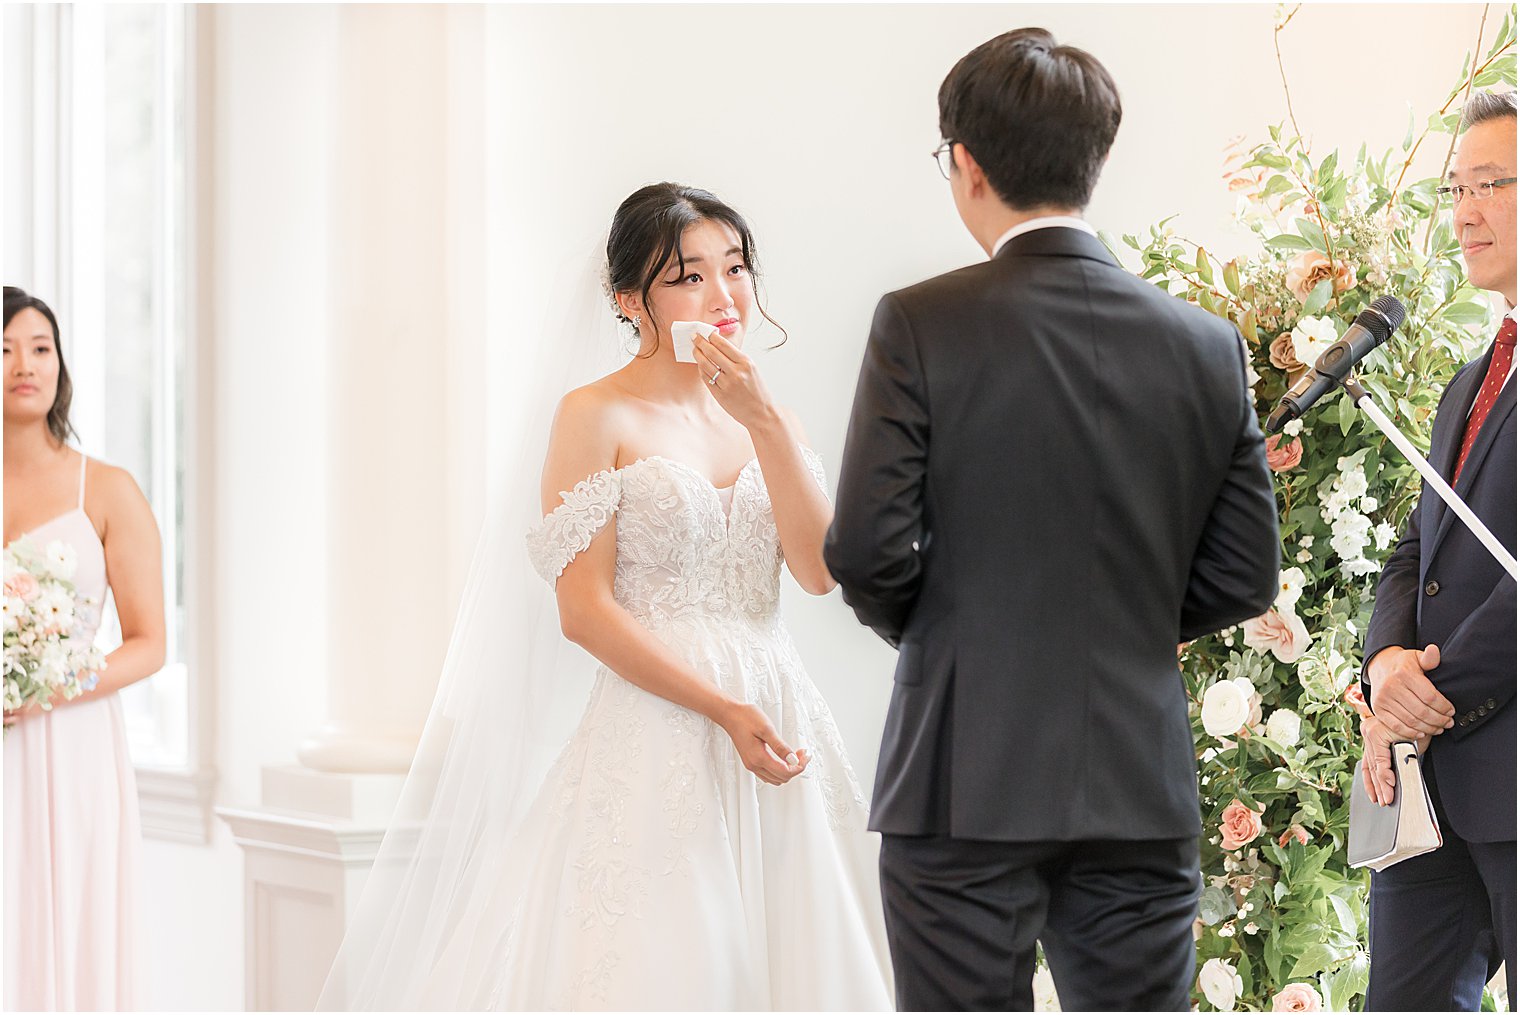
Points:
[[816, 122], [272, 112]]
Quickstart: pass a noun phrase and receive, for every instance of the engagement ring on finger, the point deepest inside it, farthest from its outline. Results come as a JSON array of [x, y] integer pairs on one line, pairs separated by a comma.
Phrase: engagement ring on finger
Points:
[[713, 380]]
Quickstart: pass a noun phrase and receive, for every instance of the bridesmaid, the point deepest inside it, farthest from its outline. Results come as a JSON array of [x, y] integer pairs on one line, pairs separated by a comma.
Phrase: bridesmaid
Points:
[[72, 835]]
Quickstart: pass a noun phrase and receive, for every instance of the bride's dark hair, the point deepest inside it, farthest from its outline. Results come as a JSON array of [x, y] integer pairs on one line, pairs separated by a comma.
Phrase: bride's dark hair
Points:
[[646, 234]]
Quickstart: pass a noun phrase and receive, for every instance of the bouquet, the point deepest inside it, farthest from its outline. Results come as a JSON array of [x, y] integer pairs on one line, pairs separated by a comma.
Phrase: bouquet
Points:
[[43, 656]]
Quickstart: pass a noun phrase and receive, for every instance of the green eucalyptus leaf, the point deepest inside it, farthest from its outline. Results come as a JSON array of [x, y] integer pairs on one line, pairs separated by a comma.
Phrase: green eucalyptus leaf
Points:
[[1319, 296], [1289, 241]]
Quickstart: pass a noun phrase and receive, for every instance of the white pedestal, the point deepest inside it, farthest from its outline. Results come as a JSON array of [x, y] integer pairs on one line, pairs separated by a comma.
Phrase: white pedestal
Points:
[[307, 850]]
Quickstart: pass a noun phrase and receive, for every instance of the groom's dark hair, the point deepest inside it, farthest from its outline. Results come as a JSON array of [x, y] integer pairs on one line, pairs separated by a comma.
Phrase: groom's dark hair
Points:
[[1038, 118]]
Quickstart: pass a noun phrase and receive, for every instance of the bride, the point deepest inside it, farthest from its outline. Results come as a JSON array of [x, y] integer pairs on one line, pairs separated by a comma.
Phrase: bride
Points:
[[700, 842]]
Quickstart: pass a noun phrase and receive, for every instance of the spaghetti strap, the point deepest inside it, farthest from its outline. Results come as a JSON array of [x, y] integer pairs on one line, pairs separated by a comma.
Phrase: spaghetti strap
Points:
[[82, 461]]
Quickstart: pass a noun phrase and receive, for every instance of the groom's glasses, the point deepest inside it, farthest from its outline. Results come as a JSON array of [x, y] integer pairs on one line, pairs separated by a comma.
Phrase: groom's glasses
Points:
[[1482, 190], [943, 159]]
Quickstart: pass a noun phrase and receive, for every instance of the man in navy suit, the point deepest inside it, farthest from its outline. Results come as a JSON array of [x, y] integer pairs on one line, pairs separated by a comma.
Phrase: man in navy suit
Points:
[[1440, 648]]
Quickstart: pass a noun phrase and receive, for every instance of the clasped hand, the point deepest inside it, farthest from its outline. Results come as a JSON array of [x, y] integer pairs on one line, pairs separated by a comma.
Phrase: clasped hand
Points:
[[1403, 696], [760, 747], [1405, 706]]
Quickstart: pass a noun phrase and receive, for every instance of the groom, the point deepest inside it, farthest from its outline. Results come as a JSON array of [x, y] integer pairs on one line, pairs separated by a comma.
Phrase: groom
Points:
[[1053, 475]]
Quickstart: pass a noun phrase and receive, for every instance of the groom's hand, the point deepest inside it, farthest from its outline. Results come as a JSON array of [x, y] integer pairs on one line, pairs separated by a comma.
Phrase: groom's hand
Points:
[[1403, 696]]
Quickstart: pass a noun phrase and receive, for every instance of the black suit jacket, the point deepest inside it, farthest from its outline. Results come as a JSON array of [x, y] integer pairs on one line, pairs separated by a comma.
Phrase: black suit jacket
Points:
[[1441, 587], [1053, 475]]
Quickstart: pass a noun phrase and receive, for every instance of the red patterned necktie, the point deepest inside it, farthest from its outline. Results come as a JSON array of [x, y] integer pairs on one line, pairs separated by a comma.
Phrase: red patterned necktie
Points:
[[1493, 383]]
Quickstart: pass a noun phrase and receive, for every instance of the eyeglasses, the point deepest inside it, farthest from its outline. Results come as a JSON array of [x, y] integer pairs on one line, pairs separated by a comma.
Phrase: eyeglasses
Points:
[[943, 159], [1482, 190]]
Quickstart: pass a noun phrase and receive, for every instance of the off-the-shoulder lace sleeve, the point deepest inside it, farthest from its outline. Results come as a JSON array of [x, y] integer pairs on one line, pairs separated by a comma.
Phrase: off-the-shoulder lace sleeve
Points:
[[570, 527], [815, 466]]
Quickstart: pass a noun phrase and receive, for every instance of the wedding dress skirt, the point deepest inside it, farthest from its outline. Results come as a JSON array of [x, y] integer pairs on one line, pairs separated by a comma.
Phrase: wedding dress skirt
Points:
[[653, 870]]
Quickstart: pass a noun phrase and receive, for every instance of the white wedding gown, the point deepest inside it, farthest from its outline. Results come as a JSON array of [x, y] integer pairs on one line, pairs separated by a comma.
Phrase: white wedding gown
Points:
[[653, 870]]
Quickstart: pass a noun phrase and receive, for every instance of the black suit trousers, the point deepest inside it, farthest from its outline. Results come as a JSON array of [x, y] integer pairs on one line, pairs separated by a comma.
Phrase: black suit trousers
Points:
[[1115, 919], [1441, 923]]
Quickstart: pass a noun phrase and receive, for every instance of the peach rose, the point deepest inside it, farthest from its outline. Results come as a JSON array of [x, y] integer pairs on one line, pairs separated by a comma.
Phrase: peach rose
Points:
[[21, 585], [1280, 459], [1238, 825], [1296, 997], [1294, 832], [1310, 268], [1281, 633], [1281, 354]]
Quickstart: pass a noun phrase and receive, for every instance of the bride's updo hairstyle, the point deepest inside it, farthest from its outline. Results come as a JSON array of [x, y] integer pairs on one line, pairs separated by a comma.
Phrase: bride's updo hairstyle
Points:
[[646, 234]]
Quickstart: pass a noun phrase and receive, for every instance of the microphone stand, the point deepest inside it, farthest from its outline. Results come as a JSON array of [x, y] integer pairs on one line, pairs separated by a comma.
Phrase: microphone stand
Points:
[[1364, 401]]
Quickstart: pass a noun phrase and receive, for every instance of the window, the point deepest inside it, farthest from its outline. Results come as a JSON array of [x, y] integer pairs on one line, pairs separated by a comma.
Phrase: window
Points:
[[101, 207]]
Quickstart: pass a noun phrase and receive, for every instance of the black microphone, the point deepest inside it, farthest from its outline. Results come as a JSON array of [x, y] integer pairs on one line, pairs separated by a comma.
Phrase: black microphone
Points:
[[1370, 330]]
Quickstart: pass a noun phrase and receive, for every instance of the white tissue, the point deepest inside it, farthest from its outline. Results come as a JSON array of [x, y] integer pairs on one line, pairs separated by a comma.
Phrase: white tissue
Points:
[[680, 337]]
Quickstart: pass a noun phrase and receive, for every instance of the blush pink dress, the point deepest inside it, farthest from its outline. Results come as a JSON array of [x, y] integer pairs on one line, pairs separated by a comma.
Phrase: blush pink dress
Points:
[[73, 840]]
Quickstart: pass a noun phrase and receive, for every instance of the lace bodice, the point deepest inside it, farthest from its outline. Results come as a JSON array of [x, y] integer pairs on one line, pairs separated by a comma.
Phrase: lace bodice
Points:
[[678, 553]]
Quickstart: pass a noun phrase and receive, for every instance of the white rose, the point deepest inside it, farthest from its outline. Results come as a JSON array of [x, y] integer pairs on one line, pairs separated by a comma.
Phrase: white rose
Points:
[[1290, 585], [1220, 984], [1311, 337], [1368, 504], [1284, 727], [1225, 708], [1253, 699]]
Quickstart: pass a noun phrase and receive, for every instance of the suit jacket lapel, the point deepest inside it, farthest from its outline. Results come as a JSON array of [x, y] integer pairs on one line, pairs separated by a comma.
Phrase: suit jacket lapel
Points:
[[1503, 407]]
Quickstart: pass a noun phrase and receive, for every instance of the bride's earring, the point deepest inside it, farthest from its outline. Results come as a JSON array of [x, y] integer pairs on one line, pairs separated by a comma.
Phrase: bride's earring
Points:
[[638, 319]]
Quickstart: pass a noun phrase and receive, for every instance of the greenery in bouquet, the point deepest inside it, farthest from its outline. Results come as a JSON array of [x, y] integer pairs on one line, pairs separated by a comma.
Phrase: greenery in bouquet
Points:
[[1283, 917], [43, 659]]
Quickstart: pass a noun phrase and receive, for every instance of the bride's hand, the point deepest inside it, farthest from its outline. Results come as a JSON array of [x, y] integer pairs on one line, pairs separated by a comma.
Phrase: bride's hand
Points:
[[739, 389], [760, 747]]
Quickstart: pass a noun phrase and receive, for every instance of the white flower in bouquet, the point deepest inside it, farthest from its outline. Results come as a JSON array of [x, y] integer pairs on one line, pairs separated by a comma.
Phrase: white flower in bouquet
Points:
[[1352, 481], [1253, 700], [1284, 727], [54, 607], [1220, 983], [1349, 535], [61, 559], [1384, 535], [1311, 337], [1226, 707], [1290, 586], [43, 657]]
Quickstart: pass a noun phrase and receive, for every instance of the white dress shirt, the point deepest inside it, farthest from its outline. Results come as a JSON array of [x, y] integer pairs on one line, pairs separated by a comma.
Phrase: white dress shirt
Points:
[[1044, 222]]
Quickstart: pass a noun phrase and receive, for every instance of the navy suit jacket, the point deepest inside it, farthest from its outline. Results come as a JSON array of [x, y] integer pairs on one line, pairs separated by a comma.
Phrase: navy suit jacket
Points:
[[1441, 587]]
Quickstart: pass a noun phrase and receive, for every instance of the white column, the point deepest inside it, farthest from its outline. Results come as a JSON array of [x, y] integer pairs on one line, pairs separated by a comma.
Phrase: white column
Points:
[[403, 435], [388, 606]]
